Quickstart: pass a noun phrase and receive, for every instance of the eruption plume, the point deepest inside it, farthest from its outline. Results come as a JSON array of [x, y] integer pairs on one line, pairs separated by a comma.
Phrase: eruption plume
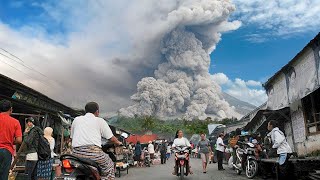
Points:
[[181, 82]]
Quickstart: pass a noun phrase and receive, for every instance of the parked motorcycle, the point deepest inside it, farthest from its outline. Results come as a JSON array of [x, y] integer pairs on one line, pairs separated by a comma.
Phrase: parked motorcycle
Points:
[[182, 156], [75, 168], [246, 160]]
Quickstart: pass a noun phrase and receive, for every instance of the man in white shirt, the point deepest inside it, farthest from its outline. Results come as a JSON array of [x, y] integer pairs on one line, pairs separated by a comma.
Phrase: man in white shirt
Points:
[[220, 150], [151, 150], [86, 134]]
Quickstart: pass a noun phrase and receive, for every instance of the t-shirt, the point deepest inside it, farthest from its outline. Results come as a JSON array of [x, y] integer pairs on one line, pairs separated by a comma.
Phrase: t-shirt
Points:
[[203, 145], [233, 141], [32, 156], [151, 148], [9, 130], [163, 148], [169, 149], [88, 130], [181, 142], [137, 150], [219, 147]]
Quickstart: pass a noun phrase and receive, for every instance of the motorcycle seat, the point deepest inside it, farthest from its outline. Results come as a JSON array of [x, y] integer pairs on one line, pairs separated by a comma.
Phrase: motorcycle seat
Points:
[[81, 160]]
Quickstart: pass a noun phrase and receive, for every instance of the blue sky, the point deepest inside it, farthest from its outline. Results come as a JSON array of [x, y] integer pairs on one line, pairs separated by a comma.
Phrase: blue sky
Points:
[[236, 56], [271, 34]]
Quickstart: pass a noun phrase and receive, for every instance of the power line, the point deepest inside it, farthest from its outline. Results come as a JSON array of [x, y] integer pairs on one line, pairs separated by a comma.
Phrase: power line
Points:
[[28, 67], [11, 54], [22, 64], [22, 72]]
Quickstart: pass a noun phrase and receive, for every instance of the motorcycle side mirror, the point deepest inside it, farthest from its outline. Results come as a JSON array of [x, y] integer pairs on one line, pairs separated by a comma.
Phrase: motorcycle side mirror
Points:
[[125, 135]]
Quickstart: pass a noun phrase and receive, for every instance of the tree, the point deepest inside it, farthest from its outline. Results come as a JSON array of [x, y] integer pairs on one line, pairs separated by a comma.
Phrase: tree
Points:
[[148, 123]]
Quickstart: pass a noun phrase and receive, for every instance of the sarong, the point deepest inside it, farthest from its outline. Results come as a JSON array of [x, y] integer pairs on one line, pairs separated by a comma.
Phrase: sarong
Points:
[[96, 154], [44, 169]]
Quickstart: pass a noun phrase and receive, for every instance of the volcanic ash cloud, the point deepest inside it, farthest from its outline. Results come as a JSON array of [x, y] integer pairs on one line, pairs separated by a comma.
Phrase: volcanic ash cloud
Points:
[[181, 84]]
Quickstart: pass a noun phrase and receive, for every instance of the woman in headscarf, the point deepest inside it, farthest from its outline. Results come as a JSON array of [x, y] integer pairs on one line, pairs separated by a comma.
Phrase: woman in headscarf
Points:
[[44, 167]]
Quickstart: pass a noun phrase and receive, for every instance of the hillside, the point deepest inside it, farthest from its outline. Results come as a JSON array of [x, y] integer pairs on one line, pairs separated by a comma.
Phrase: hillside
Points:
[[241, 106]]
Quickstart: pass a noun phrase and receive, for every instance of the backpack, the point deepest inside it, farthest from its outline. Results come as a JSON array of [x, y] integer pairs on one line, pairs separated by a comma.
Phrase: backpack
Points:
[[44, 151]]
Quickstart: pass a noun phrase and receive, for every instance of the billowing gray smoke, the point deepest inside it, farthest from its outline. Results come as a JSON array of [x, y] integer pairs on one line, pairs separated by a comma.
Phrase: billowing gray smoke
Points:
[[182, 83]]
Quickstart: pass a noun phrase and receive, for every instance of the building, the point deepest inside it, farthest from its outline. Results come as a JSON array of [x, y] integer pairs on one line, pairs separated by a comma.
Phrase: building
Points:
[[244, 120], [28, 102], [294, 100]]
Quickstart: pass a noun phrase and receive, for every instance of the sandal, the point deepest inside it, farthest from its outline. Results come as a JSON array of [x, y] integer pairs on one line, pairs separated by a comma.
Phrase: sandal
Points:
[[190, 172]]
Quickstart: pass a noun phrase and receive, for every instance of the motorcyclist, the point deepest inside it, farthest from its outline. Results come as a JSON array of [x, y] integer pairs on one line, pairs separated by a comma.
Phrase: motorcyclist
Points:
[[87, 132], [180, 141]]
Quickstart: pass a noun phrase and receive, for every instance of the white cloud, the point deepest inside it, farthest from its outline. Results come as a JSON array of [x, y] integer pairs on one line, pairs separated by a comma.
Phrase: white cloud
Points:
[[220, 78], [279, 17], [104, 47], [249, 91], [253, 83]]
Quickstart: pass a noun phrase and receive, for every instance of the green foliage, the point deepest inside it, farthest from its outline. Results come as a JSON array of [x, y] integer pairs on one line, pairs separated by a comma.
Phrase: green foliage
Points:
[[140, 125]]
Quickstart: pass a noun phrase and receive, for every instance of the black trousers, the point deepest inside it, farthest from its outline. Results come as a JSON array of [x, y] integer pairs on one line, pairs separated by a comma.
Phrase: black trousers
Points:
[[284, 170], [31, 170], [220, 159], [5, 163], [163, 157]]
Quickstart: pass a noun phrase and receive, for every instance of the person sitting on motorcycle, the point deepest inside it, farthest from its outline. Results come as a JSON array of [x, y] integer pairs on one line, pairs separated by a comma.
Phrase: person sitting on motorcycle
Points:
[[233, 144], [86, 133], [258, 152], [180, 141]]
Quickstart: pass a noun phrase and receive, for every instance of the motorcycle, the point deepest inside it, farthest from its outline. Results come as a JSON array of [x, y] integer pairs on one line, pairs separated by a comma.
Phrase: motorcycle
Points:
[[246, 160], [182, 156], [147, 159], [76, 168]]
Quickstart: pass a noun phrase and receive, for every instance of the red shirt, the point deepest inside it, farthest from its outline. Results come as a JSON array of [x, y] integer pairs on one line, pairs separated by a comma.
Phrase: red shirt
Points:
[[9, 130]]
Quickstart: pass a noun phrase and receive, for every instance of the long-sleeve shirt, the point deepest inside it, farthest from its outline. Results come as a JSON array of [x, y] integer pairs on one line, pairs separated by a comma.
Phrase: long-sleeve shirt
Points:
[[181, 142], [279, 141]]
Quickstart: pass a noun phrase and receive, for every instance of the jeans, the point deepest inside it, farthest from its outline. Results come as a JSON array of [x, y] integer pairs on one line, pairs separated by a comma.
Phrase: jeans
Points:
[[31, 170], [168, 155], [5, 163], [220, 159], [284, 166]]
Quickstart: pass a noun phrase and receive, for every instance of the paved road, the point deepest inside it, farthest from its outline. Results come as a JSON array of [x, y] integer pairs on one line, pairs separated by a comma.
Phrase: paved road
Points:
[[163, 172]]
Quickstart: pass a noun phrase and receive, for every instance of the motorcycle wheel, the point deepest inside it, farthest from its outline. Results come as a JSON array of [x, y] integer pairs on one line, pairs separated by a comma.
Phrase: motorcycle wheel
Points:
[[230, 163], [181, 172], [238, 171], [251, 169]]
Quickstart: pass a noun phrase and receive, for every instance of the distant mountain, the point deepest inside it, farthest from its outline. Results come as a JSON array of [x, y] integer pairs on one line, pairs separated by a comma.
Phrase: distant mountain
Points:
[[241, 106]]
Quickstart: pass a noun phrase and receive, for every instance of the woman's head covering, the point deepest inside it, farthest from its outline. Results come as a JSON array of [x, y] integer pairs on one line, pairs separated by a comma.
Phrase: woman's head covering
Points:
[[48, 133]]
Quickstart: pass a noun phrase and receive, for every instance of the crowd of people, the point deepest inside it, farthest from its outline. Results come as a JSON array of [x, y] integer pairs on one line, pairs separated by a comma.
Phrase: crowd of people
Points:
[[11, 134], [86, 134], [158, 152]]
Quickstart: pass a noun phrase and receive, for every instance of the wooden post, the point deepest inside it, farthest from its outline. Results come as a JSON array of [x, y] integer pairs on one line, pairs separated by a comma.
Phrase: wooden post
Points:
[[17, 155], [44, 123], [62, 140]]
